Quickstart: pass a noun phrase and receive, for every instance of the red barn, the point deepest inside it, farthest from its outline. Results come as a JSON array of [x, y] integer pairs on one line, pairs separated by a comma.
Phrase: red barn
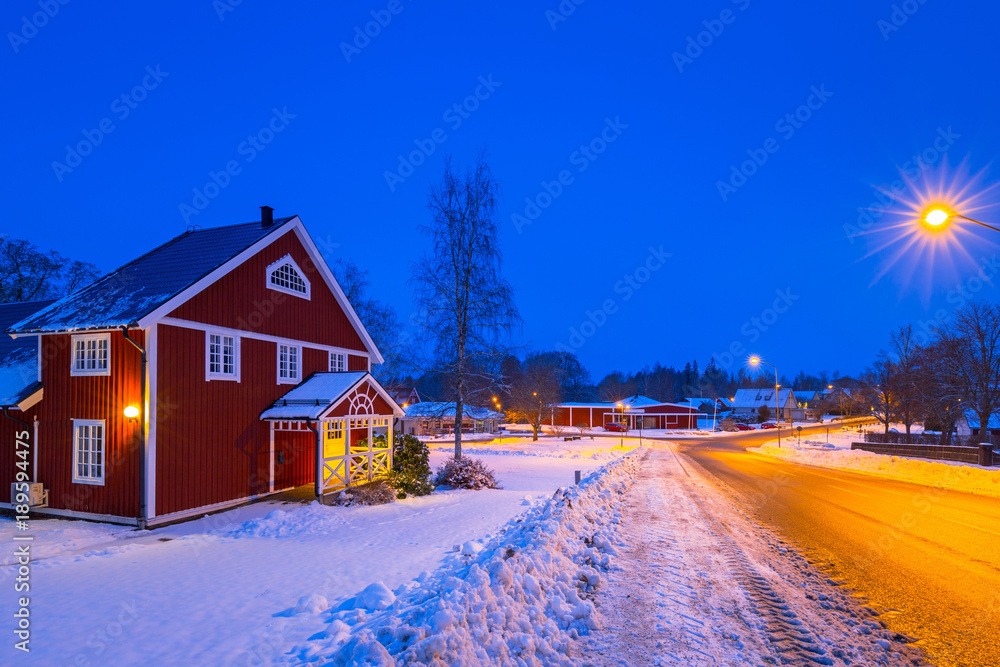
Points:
[[635, 411], [222, 366]]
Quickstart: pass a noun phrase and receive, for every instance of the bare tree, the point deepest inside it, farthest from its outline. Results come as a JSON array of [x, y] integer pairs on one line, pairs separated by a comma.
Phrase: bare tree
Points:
[[939, 388], [878, 392], [379, 318], [977, 359], [467, 307], [904, 379], [29, 274], [534, 392]]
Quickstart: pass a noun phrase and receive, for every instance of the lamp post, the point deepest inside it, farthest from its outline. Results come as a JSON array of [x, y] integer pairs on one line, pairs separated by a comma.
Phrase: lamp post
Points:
[[756, 361]]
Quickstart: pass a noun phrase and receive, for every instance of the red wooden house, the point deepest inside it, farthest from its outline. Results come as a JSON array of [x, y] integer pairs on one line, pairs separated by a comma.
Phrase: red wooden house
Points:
[[222, 366]]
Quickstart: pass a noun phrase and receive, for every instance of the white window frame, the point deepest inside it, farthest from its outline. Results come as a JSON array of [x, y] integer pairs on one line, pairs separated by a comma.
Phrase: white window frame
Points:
[[338, 359], [209, 374], [287, 259], [90, 423], [298, 363], [84, 338]]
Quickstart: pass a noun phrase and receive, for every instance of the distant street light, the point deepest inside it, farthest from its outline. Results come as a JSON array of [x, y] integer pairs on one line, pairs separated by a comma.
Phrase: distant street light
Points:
[[756, 361]]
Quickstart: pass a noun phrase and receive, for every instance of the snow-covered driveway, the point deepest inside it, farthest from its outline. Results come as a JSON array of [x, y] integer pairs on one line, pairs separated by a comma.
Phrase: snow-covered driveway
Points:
[[700, 584]]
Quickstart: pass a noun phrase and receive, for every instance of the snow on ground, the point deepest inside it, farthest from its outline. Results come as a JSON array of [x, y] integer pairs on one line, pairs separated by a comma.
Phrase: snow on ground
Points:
[[520, 596], [835, 452], [697, 582], [217, 590]]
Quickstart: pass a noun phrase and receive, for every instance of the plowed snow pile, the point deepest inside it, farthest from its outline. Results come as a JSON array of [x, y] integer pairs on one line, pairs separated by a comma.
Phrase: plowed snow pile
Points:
[[522, 597]]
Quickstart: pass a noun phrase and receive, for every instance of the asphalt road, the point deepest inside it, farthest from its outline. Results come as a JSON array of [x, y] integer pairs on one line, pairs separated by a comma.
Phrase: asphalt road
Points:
[[928, 558]]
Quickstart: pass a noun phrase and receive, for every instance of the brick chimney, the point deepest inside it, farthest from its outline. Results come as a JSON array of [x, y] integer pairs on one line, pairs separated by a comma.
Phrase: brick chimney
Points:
[[266, 216]]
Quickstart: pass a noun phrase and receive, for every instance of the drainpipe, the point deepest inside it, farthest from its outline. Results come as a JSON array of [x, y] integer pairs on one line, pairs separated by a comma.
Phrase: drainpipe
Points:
[[142, 427], [319, 460]]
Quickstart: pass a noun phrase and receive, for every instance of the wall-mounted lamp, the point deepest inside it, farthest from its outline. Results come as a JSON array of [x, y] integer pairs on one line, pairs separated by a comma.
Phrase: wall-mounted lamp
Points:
[[132, 412]]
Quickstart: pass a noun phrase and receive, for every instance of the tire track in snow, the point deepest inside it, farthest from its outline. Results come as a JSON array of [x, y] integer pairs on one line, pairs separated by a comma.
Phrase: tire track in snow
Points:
[[698, 584]]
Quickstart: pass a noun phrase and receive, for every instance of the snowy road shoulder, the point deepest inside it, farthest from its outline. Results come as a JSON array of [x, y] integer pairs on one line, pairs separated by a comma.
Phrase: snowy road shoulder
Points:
[[699, 583], [835, 452]]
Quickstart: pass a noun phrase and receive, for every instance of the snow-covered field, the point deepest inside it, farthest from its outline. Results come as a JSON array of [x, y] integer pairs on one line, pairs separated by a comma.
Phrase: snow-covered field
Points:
[[835, 452], [218, 590]]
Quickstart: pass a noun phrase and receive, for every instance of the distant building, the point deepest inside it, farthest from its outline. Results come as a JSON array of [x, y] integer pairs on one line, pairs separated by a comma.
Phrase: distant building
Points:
[[404, 395], [968, 424], [635, 411], [747, 403], [433, 418]]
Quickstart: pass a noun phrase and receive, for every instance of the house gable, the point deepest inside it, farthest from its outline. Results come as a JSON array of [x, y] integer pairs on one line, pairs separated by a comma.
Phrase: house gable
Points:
[[243, 299]]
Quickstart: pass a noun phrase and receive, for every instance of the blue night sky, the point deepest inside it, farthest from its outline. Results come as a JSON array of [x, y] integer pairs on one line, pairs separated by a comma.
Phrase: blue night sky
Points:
[[555, 92]]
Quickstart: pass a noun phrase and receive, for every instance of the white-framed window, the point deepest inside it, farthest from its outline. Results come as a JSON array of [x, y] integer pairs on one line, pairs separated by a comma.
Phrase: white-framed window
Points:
[[88, 451], [289, 363], [222, 356], [338, 362], [91, 354], [286, 276]]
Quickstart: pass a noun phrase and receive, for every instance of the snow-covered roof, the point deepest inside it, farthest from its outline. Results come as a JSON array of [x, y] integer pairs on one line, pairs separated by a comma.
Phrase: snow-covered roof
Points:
[[139, 287], [317, 394], [972, 419], [431, 409], [18, 357], [754, 398]]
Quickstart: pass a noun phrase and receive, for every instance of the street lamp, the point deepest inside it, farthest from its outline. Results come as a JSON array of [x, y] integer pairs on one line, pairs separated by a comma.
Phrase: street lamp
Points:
[[936, 217], [756, 361]]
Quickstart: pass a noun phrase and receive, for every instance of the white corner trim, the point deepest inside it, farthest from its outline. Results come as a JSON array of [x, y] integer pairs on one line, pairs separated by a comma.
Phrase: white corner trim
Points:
[[287, 259], [150, 412]]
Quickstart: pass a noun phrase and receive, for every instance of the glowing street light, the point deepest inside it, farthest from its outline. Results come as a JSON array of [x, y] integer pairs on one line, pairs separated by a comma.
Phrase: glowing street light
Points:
[[756, 361], [936, 217]]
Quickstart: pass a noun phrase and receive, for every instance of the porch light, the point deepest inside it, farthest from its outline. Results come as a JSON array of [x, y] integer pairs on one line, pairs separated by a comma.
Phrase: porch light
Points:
[[131, 412]]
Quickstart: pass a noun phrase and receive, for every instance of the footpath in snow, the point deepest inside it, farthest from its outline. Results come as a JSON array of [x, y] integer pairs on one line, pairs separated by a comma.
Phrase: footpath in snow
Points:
[[834, 451], [699, 583]]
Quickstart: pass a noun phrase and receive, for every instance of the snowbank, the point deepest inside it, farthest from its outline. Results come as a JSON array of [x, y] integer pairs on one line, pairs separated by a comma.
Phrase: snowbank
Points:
[[940, 474], [521, 597]]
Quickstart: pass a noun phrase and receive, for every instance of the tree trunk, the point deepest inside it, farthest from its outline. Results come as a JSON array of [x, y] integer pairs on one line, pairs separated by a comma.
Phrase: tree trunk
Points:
[[534, 432], [984, 431], [459, 413]]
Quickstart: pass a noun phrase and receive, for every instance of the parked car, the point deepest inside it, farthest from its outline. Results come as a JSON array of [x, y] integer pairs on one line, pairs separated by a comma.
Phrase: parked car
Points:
[[740, 426], [769, 425], [615, 426]]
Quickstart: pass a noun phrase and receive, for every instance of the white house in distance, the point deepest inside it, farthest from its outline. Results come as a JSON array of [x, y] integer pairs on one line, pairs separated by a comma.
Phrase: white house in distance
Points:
[[747, 403]]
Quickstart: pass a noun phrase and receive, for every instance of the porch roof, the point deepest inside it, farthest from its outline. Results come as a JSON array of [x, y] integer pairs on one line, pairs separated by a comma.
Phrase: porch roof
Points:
[[320, 392]]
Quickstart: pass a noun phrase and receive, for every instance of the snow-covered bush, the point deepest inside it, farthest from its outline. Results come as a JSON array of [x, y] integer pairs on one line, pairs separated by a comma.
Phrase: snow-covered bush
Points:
[[377, 492], [411, 469], [466, 473]]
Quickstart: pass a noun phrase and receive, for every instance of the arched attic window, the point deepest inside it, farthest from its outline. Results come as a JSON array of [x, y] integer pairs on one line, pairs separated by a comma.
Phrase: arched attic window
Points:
[[286, 276]]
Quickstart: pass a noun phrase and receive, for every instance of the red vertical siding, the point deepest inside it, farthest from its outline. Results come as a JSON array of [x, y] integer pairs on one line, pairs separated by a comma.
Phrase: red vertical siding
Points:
[[211, 445], [294, 458], [242, 300], [8, 448], [102, 397], [356, 363]]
